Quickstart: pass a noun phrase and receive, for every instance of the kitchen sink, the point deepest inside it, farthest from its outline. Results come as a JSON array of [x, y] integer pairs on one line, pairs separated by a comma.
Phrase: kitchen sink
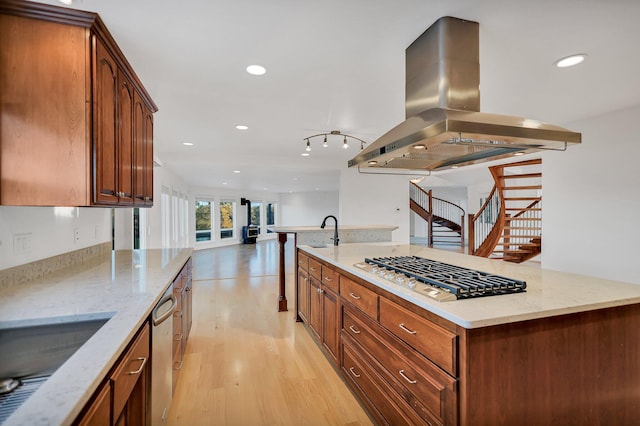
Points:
[[33, 350]]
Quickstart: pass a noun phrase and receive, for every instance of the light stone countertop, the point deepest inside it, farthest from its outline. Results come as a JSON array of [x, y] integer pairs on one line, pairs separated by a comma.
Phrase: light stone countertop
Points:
[[329, 227], [124, 286], [549, 293]]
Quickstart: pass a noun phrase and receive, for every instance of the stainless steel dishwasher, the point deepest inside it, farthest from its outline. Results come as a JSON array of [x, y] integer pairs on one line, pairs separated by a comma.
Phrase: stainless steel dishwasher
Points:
[[162, 357]]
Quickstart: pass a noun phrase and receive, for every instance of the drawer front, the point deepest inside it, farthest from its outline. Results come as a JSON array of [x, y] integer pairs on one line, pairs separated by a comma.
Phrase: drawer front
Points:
[[303, 262], [433, 341], [330, 278], [420, 383], [384, 404], [315, 269], [362, 297], [130, 368]]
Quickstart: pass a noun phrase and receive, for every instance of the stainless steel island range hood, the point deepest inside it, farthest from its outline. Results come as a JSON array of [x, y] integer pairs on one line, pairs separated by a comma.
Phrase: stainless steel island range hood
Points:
[[444, 125]]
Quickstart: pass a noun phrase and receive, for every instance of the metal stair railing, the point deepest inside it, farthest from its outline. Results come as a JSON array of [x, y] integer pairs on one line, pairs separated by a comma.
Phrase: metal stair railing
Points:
[[437, 207]]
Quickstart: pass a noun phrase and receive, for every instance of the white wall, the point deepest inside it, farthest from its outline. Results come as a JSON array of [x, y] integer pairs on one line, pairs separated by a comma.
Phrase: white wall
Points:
[[592, 200], [33, 233], [369, 199], [308, 208]]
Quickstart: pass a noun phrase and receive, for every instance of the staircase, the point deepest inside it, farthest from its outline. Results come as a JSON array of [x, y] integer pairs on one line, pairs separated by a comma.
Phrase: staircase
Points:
[[509, 224], [445, 220]]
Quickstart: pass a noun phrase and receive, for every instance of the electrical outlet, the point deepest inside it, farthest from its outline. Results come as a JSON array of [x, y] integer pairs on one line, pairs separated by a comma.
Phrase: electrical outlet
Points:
[[22, 243], [76, 235]]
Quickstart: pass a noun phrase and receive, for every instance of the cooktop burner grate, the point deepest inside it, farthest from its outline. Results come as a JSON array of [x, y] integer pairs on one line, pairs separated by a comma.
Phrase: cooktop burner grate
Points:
[[442, 279]]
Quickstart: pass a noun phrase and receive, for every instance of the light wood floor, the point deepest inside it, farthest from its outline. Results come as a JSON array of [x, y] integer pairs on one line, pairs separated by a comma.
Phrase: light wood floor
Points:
[[247, 364]]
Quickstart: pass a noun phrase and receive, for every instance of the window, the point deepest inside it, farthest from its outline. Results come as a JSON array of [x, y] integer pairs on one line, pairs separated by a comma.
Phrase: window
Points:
[[203, 220], [271, 215], [166, 218], [255, 214], [226, 219]]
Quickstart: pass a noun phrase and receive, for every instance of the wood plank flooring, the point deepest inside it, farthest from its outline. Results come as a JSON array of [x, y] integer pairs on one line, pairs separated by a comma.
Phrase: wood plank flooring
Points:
[[247, 364]]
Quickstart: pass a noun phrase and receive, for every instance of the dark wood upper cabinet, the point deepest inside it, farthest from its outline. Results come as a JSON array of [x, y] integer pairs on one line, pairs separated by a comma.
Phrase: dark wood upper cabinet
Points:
[[76, 123]]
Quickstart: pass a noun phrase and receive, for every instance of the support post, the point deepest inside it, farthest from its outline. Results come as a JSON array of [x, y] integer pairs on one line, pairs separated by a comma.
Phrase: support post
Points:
[[282, 298]]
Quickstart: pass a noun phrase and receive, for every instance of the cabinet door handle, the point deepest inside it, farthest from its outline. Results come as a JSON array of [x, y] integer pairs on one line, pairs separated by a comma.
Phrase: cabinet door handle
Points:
[[413, 382], [355, 296], [406, 329], [355, 330], [144, 361], [178, 364], [356, 375], [177, 337], [329, 279]]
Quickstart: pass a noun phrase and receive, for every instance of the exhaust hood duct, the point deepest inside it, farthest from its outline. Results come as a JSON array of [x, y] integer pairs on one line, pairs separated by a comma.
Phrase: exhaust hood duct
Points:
[[444, 125]]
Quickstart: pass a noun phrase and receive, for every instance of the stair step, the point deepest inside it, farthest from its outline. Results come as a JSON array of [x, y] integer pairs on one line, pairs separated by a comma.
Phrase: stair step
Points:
[[523, 198], [521, 187], [511, 251], [522, 176], [523, 209], [532, 228], [514, 237], [510, 218]]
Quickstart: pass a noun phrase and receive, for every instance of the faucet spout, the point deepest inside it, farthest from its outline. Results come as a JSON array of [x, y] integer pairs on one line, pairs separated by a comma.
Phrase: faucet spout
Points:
[[335, 229]]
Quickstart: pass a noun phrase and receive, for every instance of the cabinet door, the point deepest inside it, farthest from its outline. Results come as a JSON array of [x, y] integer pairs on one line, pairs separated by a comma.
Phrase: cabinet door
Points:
[[105, 130], [303, 295], [315, 307], [139, 167], [124, 149], [148, 157], [99, 411], [330, 329]]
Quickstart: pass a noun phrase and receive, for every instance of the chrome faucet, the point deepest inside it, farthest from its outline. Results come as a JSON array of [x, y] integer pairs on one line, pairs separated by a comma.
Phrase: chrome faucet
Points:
[[335, 230]]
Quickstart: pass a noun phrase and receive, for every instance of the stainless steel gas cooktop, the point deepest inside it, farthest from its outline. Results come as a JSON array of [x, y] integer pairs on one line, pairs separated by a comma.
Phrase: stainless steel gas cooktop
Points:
[[438, 280]]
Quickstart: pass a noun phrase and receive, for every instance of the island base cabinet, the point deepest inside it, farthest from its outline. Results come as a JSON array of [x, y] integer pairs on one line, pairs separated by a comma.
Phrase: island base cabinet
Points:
[[122, 399], [374, 391]]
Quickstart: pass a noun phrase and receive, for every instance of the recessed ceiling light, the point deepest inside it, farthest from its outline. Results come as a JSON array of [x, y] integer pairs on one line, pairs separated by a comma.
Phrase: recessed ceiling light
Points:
[[242, 127], [256, 70], [224, 183], [236, 171], [187, 143], [305, 154], [454, 167], [372, 162], [419, 146], [569, 61], [295, 178], [65, 1], [519, 153]]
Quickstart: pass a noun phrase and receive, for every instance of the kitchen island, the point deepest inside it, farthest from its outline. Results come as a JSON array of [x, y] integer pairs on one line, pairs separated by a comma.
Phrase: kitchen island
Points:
[[563, 352], [317, 236], [122, 286]]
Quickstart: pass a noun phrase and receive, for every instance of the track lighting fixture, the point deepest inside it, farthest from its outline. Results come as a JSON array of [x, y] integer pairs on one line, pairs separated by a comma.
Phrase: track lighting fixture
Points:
[[345, 142]]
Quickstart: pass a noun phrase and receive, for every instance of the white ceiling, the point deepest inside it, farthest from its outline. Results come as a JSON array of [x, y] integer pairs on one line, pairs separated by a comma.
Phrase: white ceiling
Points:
[[339, 65]]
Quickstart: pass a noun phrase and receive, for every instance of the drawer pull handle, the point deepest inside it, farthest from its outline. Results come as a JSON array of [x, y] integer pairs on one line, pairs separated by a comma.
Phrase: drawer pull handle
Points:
[[356, 375], [355, 296], [328, 279], [177, 337], [177, 365], [144, 361], [413, 382], [406, 329], [355, 330], [312, 268]]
